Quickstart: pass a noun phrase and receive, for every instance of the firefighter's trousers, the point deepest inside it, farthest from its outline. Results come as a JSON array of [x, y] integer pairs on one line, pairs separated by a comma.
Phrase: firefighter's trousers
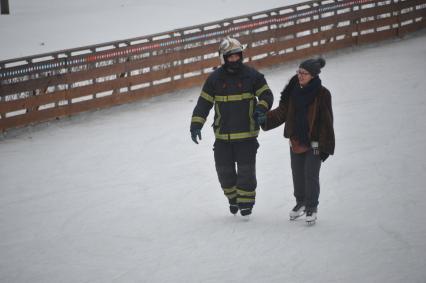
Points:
[[236, 169]]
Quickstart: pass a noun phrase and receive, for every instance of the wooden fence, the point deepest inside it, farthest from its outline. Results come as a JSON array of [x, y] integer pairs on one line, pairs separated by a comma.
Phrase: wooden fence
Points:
[[57, 84]]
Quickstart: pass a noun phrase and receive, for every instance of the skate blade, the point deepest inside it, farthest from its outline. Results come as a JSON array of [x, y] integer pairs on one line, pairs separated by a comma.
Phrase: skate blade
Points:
[[292, 218]]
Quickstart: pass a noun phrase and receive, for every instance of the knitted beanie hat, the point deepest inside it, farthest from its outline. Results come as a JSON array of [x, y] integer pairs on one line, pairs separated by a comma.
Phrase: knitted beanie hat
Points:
[[313, 66]]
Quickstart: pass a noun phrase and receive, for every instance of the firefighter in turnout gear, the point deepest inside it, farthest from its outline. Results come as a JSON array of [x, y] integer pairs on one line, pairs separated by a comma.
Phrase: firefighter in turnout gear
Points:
[[240, 97]]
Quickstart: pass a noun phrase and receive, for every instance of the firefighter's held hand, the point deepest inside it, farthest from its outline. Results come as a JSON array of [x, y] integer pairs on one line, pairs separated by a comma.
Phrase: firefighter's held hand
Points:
[[259, 116], [194, 134]]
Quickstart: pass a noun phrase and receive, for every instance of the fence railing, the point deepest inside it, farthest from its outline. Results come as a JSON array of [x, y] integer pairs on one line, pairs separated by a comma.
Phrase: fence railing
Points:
[[47, 86]]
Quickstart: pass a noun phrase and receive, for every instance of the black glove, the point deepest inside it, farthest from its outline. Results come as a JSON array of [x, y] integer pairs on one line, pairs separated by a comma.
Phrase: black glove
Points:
[[323, 156], [194, 134], [259, 115]]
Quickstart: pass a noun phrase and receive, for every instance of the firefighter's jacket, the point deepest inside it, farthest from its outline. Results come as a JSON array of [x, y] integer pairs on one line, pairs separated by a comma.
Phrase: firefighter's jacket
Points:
[[235, 98]]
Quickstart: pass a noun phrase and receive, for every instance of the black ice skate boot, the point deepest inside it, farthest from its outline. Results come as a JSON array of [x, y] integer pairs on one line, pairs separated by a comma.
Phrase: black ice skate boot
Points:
[[233, 206], [297, 211], [245, 211]]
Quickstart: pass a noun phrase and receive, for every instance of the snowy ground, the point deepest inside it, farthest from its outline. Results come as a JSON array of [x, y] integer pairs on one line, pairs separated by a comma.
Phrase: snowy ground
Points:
[[42, 26], [123, 195]]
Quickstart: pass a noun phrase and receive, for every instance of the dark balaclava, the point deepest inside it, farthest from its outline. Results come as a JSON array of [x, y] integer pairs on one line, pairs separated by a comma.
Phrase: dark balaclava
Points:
[[233, 67], [313, 66]]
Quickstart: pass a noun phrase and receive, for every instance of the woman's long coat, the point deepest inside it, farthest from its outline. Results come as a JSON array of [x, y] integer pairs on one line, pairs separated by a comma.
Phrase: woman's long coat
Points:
[[320, 117]]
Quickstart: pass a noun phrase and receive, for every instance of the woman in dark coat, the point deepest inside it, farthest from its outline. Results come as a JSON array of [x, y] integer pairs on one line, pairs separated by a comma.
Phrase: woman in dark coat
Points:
[[305, 108]]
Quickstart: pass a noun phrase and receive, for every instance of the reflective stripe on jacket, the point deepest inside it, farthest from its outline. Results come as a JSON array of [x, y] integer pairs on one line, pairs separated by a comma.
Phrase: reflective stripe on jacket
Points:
[[235, 98]]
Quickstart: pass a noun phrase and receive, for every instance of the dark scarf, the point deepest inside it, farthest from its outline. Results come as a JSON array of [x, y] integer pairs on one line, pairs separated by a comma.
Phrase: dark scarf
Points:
[[302, 98]]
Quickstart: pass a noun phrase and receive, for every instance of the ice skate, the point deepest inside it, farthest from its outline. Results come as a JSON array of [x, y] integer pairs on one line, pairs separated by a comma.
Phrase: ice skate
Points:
[[311, 217], [297, 211], [245, 213], [233, 208]]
